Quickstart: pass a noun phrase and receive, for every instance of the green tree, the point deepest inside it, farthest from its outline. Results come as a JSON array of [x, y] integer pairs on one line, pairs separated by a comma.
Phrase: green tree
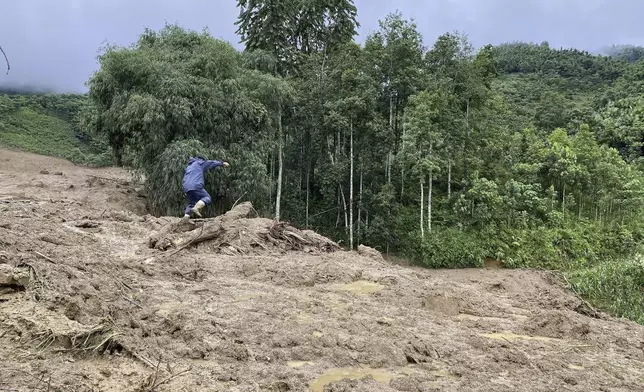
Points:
[[397, 51], [270, 25], [622, 126], [289, 28], [205, 98], [425, 121], [351, 106]]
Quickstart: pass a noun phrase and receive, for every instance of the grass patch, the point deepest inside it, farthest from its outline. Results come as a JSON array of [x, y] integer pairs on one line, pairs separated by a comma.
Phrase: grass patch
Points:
[[615, 286]]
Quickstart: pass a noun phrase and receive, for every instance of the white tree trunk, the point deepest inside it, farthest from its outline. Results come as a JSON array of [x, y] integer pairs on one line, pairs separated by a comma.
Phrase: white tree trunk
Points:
[[422, 210], [344, 207], [467, 141], [430, 178], [429, 202], [389, 167], [299, 187], [449, 178], [278, 197], [402, 170], [563, 202], [360, 207], [328, 150], [351, 186], [337, 217], [272, 164], [337, 146], [308, 192], [391, 129]]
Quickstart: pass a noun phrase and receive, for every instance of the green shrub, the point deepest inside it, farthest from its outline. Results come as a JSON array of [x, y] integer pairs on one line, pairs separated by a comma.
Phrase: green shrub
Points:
[[448, 248], [616, 286]]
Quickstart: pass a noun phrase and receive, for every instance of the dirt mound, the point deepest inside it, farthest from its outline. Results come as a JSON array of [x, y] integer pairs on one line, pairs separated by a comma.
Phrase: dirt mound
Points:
[[236, 233], [371, 253], [95, 296], [557, 324]]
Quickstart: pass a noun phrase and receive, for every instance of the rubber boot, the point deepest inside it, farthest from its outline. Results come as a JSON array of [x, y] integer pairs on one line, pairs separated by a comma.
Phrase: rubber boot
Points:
[[200, 204]]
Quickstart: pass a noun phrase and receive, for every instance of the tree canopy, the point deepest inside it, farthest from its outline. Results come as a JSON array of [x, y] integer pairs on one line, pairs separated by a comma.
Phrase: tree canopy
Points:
[[443, 153]]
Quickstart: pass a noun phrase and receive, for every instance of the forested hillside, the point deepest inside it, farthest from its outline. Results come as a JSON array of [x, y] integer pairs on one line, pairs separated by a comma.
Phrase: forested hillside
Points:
[[47, 124], [432, 150]]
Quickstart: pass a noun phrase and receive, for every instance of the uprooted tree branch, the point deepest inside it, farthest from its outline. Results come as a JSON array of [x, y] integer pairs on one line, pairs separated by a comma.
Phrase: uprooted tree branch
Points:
[[237, 233], [5, 59]]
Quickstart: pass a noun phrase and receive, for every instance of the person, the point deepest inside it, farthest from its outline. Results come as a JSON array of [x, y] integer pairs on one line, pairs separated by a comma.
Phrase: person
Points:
[[193, 184]]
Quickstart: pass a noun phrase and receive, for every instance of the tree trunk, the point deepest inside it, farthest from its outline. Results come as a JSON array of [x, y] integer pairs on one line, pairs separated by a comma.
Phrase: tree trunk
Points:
[[344, 207], [308, 192], [272, 170], [430, 181], [337, 217], [449, 179], [422, 210], [328, 150], [429, 202], [351, 186], [278, 197], [402, 170], [337, 147], [301, 168], [563, 202], [360, 207], [391, 130], [467, 141], [389, 157]]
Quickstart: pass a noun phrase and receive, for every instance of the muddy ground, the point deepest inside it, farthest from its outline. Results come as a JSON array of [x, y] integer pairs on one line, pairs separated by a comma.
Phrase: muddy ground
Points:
[[97, 296]]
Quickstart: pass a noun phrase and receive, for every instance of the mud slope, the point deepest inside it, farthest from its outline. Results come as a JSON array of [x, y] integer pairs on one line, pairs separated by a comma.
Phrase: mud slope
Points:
[[95, 297]]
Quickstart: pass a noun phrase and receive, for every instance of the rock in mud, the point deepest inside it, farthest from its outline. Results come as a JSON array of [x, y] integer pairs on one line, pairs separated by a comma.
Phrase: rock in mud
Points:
[[87, 224], [371, 253], [240, 211], [419, 351], [557, 324], [14, 277], [53, 240], [121, 216], [233, 350], [448, 306]]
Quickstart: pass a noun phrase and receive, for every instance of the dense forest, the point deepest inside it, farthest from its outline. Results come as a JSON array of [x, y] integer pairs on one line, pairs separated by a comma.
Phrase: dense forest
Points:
[[434, 151]]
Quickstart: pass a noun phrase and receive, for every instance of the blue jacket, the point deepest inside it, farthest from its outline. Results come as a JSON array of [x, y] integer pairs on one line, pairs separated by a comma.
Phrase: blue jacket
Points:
[[193, 178]]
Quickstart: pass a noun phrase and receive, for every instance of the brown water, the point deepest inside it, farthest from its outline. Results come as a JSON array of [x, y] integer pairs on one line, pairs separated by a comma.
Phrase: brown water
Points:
[[361, 287], [333, 375]]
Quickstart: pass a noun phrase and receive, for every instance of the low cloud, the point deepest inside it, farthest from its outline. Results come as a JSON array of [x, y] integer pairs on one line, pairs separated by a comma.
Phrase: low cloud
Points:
[[52, 45]]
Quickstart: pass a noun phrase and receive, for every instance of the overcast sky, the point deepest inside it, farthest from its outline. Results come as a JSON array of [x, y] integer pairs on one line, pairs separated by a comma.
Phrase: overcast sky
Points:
[[54, 43]]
